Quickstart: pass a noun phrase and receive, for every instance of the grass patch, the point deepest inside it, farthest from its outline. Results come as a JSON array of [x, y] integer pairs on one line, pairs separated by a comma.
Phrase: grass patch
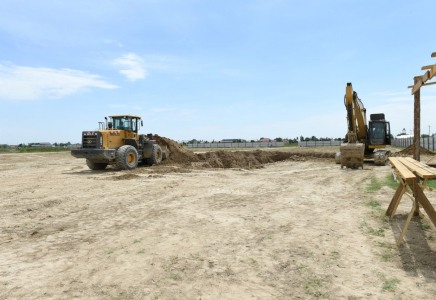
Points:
[[136, 241], [374, 186], [335, 255], [368, 229], [388, 285], [385, 245], [424, 226], [377, 183], [431, 183], [110, 251], [384, 257], [140, 251], [373, 204], [175, 276], [380, 214], [312, 286]]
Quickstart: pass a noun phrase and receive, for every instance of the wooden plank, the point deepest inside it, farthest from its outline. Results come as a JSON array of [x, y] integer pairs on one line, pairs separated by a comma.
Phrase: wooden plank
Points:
[[426, 76], [407, 175], [427, 67], [431, 213], [422, 166], [433, 54], [416, 169]]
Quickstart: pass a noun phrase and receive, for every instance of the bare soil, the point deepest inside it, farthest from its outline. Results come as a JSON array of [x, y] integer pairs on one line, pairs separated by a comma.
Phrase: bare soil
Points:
[[293, 228]]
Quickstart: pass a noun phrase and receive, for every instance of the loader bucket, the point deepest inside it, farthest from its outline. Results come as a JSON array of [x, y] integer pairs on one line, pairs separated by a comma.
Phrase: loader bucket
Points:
[[165, 152], [352, 155]]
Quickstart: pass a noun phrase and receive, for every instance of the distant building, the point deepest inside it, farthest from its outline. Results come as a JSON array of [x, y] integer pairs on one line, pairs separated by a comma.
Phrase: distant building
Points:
[[405, 136], [230, 140], [42, 144], [265, 140]]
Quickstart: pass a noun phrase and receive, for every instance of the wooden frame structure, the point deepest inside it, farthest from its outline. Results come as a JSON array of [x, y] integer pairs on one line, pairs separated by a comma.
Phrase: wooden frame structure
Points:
[[410, 173], [420, 81]]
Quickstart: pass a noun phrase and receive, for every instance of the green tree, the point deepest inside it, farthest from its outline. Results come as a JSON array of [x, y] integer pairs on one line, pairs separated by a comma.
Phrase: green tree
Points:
[[279, 139]]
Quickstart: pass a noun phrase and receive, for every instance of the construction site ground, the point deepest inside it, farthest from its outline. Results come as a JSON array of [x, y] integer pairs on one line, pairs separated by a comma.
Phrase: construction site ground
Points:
[[297, 228]]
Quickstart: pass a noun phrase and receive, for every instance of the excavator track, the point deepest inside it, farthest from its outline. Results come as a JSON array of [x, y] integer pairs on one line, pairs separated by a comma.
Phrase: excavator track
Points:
[[381, 157]]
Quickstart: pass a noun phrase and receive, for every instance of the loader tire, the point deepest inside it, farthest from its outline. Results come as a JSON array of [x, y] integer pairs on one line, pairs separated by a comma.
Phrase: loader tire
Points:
[[126, 158], [95, 166], [156, 156]]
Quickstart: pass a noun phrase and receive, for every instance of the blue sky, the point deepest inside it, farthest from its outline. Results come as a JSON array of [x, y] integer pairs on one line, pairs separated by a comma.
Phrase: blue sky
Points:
[[209, 69]]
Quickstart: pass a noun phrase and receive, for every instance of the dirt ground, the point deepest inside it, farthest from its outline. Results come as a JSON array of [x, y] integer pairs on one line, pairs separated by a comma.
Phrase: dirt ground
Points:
[[293, 229]]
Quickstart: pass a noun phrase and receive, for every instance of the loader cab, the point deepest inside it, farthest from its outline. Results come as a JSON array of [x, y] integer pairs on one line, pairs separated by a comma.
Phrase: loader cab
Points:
[[128, 123], [379, 131]]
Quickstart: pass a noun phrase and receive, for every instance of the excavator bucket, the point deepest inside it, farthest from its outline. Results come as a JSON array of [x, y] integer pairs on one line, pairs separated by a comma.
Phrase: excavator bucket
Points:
[[165, 152], [352, 155]]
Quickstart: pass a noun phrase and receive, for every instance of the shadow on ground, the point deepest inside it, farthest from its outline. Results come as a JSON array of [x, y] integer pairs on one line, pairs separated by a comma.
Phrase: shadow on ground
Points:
[[416, 254]]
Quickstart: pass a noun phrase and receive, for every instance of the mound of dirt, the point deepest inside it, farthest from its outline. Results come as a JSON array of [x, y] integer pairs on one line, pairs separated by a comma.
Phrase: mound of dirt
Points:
[[409, 151], [178, 154], [252, 159], [181, 158]]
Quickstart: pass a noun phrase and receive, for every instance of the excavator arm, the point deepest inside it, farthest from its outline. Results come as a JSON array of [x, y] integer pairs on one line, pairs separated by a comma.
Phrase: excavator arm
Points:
[[356, 116]]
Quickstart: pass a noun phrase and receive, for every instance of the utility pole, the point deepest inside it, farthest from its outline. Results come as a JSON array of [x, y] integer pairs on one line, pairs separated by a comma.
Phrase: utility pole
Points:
[[420, 81]]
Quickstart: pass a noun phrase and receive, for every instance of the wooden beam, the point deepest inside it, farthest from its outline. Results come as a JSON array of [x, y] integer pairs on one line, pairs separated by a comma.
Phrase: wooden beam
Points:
[[417, 86], [427, 67], [433, 54], [432, 72], [426, 76], [430, 83]]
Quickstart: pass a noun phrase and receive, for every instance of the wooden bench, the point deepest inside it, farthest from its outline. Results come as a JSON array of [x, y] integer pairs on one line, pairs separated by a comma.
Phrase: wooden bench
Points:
[[410, 173]]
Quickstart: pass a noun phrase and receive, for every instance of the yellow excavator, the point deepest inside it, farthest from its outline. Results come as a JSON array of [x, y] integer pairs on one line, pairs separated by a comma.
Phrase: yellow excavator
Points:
[[117, 142], [362, 140]]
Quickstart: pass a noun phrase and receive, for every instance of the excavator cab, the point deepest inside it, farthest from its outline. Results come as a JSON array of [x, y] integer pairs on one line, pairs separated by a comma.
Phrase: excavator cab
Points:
[[378, 131]]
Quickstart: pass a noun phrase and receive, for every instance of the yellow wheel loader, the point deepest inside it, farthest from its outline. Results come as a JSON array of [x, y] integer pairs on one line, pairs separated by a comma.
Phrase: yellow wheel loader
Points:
[[362, 140], [117, 142]]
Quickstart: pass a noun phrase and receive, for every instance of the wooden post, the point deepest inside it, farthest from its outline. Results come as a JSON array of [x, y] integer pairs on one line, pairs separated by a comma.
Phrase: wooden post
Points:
[[417, 124]]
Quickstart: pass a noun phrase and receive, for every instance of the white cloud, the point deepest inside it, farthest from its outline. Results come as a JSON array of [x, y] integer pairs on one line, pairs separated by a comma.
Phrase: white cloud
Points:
[[113, 42], [19, 83], [134, 65]]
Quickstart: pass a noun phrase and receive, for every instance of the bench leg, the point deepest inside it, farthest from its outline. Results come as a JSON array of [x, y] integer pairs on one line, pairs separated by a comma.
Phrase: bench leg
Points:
[[426, 205], [406, 225], [395, 200]]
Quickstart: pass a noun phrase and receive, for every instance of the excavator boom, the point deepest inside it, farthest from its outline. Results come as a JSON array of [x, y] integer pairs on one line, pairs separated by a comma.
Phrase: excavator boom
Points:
[[359, 139], [353, 150]]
